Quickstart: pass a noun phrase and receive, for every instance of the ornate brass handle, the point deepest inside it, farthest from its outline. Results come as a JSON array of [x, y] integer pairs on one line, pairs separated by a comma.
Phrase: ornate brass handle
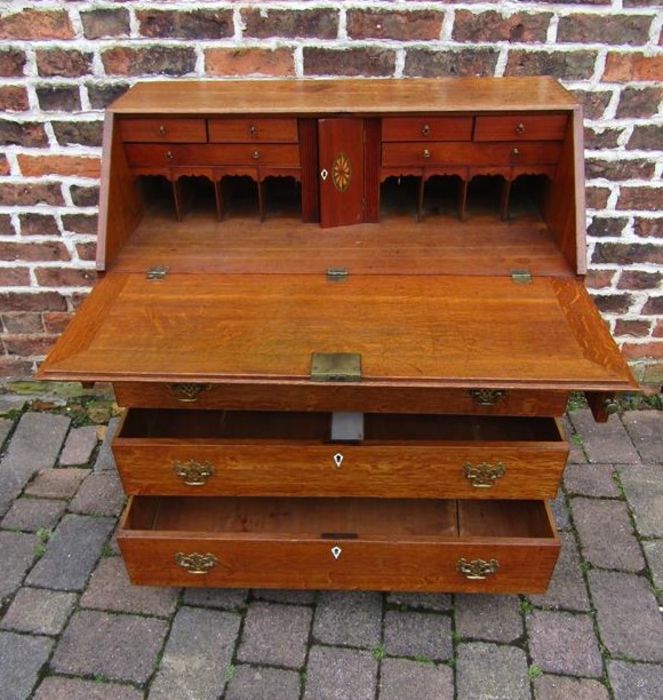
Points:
[[477, 569], [520, 128], [195, 563], [487, 397], [253, 130], [162, 129], [193, 473], [484, 475], [187, 392], [427, 153], [169, 155], [255, 155], [425, 130], [515, 153]]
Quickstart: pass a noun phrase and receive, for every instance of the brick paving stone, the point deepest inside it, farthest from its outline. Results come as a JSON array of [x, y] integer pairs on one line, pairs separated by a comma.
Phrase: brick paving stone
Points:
[[34, 446], [61, 688], [226, 598], [39, 610], [100, 494], [17, 552], [117, 647], [21, 658], [197, 655], [567, 587], [348, 618], [424, 601], [643, 486], [654, 553], [635, 681], [71, 553], [262, 683], [33, 514], [5, 428], [627, 614], [79, 446], [604, 443], [561, 512], [591, 480], [490, 671], [549, 687], [275, 634], [340, 674], [110, 589], [56, 483], [646, 431], [285, 596], [421, 634], [11, 402], [402, 678], [606, 534], [576, 454], [105, 460], [495, 618], [562, 642]]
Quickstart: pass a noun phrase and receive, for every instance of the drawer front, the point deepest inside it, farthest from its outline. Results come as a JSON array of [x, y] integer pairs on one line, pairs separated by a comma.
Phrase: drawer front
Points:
[[163, 130], [521, 127], [139, 154], [253, 130], [427, 128]]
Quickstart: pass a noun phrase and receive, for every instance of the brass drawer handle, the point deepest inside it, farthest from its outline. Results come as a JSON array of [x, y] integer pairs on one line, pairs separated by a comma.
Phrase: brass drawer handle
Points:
[[255, 155], [169, 155], [515, 153], [193, 473], [484, 475], [187, 392], [195, 563], [477, 569], [427, 153], [520, 128], [253, 130], [487, 397], [425, 130], [162, 129]]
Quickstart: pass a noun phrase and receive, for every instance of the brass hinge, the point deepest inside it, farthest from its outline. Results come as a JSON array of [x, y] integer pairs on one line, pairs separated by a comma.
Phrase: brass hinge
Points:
[[335, 367], [157, 272], [521, 276], [337, 274]]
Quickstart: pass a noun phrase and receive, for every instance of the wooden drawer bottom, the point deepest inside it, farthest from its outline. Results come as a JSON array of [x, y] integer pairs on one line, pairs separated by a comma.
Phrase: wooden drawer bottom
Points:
[[340, 543]]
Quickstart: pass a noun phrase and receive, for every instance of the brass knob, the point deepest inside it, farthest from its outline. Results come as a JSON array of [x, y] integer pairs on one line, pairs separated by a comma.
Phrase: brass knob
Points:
[[515, 153], [169, 155], [425, 130], [427, 153], [520, 128], [253, 130], [162, 130], [255, 155]]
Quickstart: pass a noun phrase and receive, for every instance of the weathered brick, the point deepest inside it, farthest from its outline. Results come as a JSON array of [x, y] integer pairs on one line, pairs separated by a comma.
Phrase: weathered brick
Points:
[[319, 23], [606, 226], [6, 226], [195, 24], [604, 443], [631, 680], [152, 60], [32, 301], [100, 494], [619, 169], [421, 601], [491, 671], [594, 102], [14, 98], [102, 94], [59, 98], [340, 673], [632, 30], [493, 26], [613, 303], [64, 277], [35, 24], [645, 429], [63, 688], [12, 62], [33, 224], [32, 514], [39, 611], [79, 446], [639, 102], [28, 345], [80, 223], [21, 659], [602, 138], [4, 165], [83, 196], [56, 321], [465, 62], [622, 67], [262, 683], [633, 328], [348, 618], [68, 63], [569, 65], [12, 368], [640, 279], [85, 133], [402, 678], [371, 61], [249, 61], [23, 322], [628, 253], [412, 25], [29, 134], [494, 618], [646, 137], [99, 23], [14, 194], [31, 252], [549, 687], [648, 228], [595, 480], [86, 251], [69, 166], [597, 197], [644, 490], [14, 277], [18, 552], [417, 634], [642, 351], [643, 198], [658, 329]]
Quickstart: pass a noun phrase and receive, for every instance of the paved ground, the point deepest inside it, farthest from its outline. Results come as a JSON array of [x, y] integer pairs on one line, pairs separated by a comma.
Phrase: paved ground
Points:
[[71, 626]]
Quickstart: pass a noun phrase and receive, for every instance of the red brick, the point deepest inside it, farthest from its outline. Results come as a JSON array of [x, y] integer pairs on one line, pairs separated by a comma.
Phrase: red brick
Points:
[[62, 62], [83, 133], [599, 279], [604, 226], [25, 346], [316, 24], [421, 25], [80, 223], [643, 351], [153, 60], [602, 138], [32, 301], [29, 134], [87, 251], [632, 30], [267, 62], [597, 197], [653, 306], [6, 226], [196, 24], [639, 279], [59, 98], [570, 65], [639, 102], [77, 298], [4, 165], [79, 166], [84, 196], [464, 62], [13, 194], [29, 252], [64, 277], [632, 327], [619, 169], [492, 26], [23, 322], [643, 198], [34, 24], [105, 22], [12, 62], [14, 98], [647, 137], [14, 277], [13, 368], [613, 303], [56, 321], [648, 228], [102, 94], [658, 329], [34, 224], [373, 62], [622, 67], [626, 253], [594, 102]]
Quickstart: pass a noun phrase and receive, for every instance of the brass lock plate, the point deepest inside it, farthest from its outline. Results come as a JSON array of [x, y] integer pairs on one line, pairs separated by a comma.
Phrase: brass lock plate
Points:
[[335, 367]]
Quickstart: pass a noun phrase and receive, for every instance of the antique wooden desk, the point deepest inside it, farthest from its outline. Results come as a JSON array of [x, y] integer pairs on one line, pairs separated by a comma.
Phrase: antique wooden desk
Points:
[[344, 317]]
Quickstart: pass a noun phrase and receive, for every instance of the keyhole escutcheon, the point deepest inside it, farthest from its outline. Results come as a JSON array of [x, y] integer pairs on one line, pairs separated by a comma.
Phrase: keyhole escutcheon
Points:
[[338, 460]]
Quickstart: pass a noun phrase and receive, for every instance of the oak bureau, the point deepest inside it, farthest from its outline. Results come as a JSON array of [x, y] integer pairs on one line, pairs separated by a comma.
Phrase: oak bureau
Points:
[[344, 318]]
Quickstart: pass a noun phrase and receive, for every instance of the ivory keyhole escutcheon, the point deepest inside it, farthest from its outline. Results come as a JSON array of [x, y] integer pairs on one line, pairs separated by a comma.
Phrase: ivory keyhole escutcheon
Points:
[[338, 460], [336, 551]]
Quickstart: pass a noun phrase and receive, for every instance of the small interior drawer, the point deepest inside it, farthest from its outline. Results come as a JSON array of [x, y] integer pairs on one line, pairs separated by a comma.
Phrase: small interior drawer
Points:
[[141, 154], [171, 452], [521, 127], [371, 544], [250, 130], [164, 130], [427, 128]]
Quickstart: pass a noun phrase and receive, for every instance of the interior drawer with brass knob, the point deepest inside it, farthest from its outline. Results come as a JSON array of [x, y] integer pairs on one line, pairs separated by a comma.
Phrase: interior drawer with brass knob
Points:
[[163, 130], [245, 453], [340, 543], [141, 154], [272, 130], [523, 127], [427, 128]]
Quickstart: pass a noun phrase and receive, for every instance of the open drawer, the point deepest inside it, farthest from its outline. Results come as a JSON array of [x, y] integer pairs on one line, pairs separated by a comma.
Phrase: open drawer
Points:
[[250, 453], [340, 543]]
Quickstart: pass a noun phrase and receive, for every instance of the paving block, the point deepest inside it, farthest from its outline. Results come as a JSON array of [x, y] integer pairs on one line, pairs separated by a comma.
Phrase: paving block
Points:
[[105, 460], [627, 614], [591, 480], [654, 553], [646, 431], [420, 634], [79, 446], [562, 642], [39, 610], [71, 553], [275, 634], [6, 425], [606, 534], [560, 511], [117, 647], [110, 589], [549, 687], [494, 618], [262, 683], [643, 486], [197, 657], [636, 681], [100, 494], [348, 618], [34, 446], [17, 552], [576, 453], [402, 678], [61, 688], [225, 598], [34, 514], [604, 443], [21, 658], [486, 670], [56, 483], [285, 596], [340, 674], [567, 587], [421, 601]]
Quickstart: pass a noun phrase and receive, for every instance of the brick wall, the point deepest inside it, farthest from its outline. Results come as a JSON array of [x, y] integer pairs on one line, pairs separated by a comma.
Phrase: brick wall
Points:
[[62, 62]]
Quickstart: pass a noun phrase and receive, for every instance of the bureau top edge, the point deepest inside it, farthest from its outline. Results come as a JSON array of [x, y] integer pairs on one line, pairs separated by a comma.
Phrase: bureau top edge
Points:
[[356, 96]]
